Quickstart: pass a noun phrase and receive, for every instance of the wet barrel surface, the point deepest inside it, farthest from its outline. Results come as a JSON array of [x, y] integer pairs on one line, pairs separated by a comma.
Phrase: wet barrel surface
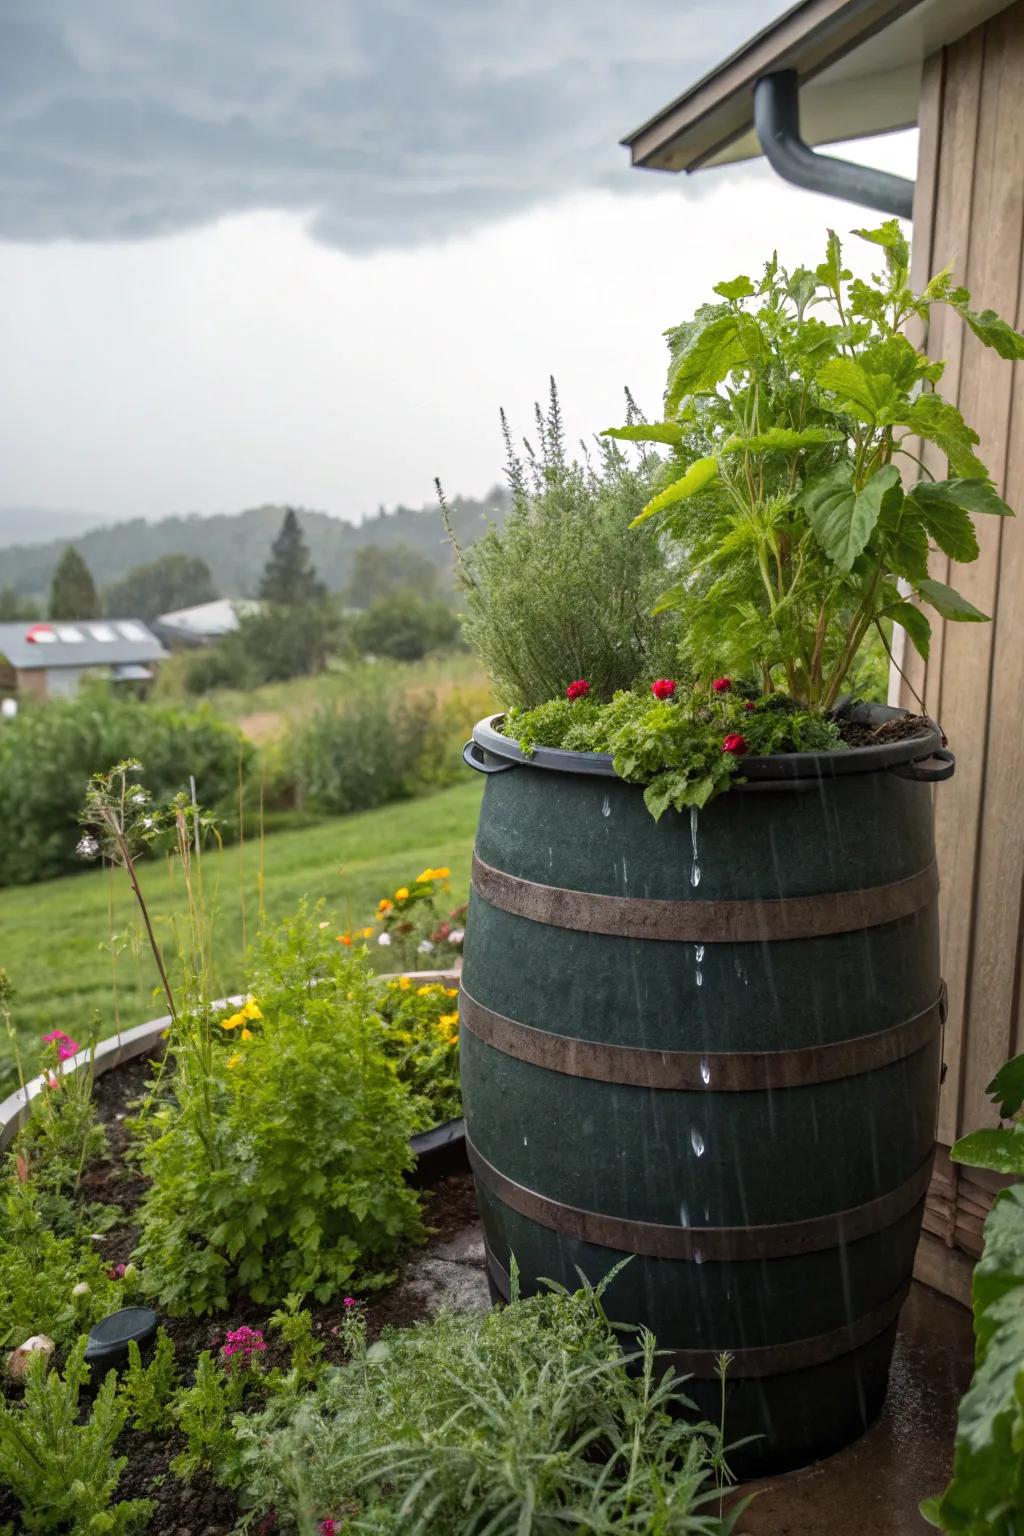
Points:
[[712, 1044]]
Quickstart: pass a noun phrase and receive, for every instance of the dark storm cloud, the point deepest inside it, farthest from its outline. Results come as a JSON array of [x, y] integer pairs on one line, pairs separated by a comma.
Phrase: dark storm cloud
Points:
[[390, 121]]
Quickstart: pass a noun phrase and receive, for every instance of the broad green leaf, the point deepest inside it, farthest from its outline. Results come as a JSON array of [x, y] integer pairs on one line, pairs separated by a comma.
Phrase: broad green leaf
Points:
[[907, 546], [903, 363], [866, 395], [700, 474], [783, 440], [1007, 1087], [999, 1149], [831, 271], [973, 495], [950, 604], [915, 623], [947, 522], [671, 432], [737, 288], [707, 348], [931, 417], [991, 330], [843, 521], [891, 237]]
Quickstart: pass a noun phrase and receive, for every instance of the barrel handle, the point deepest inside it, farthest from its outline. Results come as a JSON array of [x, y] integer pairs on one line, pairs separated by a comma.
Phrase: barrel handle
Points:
[[930, 770], [472, 758]]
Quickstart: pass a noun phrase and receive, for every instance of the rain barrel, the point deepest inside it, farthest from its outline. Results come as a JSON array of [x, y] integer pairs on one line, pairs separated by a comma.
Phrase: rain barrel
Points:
[[713, 1043]]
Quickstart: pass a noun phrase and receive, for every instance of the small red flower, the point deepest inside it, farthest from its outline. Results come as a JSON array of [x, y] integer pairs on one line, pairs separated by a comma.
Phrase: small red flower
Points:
[[578, 690], [116, 1271], [749, 706], [735, 744], [664, 688], [722, 684]]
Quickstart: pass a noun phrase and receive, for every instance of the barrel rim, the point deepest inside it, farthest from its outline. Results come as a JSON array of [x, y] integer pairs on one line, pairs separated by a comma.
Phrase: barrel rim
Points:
[[757, 770]]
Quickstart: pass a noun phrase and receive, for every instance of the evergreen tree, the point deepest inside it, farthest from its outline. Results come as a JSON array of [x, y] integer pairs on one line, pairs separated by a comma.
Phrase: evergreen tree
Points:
[[14, 607], [167, 583], [289, 578], [73, 592]]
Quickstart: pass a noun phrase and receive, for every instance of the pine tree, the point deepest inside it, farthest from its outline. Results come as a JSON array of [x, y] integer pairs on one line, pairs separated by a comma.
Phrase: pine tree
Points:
[[288, 576], [73, 592]]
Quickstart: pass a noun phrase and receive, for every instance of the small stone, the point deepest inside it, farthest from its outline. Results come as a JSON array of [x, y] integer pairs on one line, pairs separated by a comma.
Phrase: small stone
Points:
[[18, 1360]]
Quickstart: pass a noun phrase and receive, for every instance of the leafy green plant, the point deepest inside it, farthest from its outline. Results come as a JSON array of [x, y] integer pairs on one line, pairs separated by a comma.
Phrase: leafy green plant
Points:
[[49, 753], [147, 1391], [48, 1284], [295, 1325], [986, 1494], [60, 1466], [279, 1167], [790, 405], [204, 1411], [412, 926], [421, 1037], [405, 626], [563, 590], [526, 1420], [686, 745]]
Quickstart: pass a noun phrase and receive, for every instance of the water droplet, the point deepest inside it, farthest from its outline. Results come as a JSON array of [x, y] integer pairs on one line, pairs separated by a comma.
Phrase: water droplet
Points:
[[684, 1215], [524, 1141], [695, 876], [693, 829], [698, 952], [625, 876], [698, 1257], [606, 808], [697, 1142], [705, 1071], [699, 977]]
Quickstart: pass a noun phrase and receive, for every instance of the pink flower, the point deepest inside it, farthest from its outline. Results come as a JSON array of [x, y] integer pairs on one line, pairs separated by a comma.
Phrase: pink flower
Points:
[[664, 688], [722, 684], [116, 1272], [243, 1341], [350, 1301], [735, 744], [68, 1049], [578, 690], [328, 1527], [55, 1034]]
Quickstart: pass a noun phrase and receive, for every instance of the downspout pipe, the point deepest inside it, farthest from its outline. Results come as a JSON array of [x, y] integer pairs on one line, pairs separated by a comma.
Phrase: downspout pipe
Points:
[[777, 120]]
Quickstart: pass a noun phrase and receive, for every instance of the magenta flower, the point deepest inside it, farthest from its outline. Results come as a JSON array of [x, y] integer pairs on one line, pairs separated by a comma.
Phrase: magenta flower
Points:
[[243, 1341], [328, 1527], [116, 1271], [350, 1301], [67, 1049]]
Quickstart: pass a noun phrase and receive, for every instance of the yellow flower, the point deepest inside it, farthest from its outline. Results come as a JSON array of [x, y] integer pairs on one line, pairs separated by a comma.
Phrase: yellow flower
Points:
[[442, 874], [384, 905], [234, 1060], [404, 983], [429, 989], [246, 1034], [233, 1022], [448, 1021], [425, 878], [451, 991], [402, 894], [366, 933], [251, 1009]]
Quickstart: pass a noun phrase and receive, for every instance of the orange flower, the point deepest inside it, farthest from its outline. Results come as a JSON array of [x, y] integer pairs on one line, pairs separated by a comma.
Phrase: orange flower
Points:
[[345, 938], [384, 905]]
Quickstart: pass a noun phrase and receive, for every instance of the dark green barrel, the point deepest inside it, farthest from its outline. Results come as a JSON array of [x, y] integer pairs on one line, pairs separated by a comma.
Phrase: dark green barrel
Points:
[[713, 1043]]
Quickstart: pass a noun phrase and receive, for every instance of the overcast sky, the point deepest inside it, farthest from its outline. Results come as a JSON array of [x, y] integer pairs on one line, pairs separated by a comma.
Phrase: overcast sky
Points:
[[289, 250]]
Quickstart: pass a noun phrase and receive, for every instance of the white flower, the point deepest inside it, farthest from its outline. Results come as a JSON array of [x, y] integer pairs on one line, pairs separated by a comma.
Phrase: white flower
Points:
[[147, 821], [384, 938], [81, 1289], [87, 847], [424, 948], [456, 936]]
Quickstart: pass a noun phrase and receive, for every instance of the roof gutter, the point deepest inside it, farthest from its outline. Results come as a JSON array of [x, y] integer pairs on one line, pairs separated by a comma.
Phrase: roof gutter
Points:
[[777, 120]]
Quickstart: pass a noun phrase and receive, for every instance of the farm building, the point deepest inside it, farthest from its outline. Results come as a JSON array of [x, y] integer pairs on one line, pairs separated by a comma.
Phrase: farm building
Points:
[[51, 660]]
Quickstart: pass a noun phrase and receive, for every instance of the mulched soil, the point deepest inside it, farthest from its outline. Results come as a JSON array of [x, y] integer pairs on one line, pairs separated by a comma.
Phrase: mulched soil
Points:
[[200, 1507], [857, 735]]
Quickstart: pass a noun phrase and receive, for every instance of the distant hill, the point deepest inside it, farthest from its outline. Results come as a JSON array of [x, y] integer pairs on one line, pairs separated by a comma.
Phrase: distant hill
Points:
[[23, 525], [235, 545]]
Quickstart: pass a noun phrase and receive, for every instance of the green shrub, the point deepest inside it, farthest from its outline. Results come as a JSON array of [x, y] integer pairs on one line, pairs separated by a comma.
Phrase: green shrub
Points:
[[375, 746], [278, 1165], [49, 752], [62, 1469], [147, 1390], [272, 645], [405, 627], [526, 1420], [565, 589]]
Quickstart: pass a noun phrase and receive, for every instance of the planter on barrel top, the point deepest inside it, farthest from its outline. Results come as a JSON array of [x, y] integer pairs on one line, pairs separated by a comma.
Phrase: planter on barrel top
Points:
[[713, 1043]]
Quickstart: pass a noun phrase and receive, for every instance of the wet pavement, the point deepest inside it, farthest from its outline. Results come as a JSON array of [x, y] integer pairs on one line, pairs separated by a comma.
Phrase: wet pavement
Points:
[[874, 1487]]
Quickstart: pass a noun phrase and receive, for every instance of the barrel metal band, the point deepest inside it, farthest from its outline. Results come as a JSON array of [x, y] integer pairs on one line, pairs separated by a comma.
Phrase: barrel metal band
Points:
[[658, 1240], [762, 1359], [706, 922], [700, 1071]]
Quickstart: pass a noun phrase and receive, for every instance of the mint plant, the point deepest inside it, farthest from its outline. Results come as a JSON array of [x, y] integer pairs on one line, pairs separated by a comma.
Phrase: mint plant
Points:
[[792, 405]]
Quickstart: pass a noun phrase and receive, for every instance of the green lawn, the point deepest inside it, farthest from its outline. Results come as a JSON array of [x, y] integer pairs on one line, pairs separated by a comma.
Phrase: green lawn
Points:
[[55, 937]]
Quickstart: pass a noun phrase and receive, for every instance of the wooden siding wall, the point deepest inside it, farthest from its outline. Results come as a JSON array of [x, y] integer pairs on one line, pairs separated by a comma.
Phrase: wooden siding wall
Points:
[[969, 214]]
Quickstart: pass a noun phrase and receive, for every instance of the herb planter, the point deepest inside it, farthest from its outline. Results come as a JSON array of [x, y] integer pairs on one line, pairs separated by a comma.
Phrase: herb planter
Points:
[[713, 1044]]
